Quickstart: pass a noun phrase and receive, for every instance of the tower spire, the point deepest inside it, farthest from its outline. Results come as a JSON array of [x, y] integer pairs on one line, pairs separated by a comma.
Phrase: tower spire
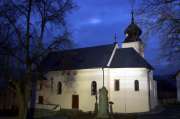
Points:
[[132, 31], [132, 16], [132, 2]]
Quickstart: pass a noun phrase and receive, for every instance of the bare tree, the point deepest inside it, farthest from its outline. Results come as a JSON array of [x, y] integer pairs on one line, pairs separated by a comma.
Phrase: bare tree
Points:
[[162, 18], [28, 22]]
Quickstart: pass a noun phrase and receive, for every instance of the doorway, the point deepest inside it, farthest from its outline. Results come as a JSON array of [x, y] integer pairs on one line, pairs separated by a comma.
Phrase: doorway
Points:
[[75, 101], [40, 100]]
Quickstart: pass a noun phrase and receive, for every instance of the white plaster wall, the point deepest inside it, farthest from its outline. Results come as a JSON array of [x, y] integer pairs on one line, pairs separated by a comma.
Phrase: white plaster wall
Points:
[[178, 86], [79, 84], [127, 100], [153, 91], [138, 46]]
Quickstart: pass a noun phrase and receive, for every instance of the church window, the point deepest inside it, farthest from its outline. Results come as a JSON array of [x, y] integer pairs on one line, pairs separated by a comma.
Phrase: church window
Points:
[[116, 85], [93, 88], [136, 85], [59, 88], [40, 100], [40, 85]]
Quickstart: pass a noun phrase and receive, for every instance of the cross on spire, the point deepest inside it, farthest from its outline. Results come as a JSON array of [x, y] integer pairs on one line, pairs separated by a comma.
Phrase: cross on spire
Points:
[[132, 2], [132, 16], [115, 37]]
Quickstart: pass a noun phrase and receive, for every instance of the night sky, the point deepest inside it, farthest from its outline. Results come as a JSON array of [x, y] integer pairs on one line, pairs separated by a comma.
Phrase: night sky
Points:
[[95, 22]]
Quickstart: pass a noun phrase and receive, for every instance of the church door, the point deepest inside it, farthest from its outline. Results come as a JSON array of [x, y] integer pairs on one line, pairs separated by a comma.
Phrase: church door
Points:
[[41, 100], [75, 101]]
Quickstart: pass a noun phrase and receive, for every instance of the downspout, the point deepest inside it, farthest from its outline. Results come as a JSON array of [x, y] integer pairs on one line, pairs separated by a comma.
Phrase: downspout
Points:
[[149, 93]]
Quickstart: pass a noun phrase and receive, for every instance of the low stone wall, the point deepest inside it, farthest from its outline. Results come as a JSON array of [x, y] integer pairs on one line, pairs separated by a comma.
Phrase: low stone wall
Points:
[[52, 107]]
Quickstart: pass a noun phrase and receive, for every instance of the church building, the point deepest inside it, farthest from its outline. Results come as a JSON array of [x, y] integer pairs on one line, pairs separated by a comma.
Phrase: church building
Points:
[[74, 77]]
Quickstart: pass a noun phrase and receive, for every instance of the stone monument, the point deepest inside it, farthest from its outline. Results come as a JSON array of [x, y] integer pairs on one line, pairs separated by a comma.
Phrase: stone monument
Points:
[[103, 104]]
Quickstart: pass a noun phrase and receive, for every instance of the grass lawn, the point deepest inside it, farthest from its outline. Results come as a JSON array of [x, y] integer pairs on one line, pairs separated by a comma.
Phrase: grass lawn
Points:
[[74, 114], [41, 113]]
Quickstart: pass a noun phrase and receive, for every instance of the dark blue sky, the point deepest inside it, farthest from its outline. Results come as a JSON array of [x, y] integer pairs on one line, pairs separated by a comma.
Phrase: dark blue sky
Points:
[[95, 22]]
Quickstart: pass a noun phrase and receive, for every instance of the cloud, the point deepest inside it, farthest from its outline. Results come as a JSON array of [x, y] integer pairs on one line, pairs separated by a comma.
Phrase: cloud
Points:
[[94, 21], [99, 11], [90, 21]]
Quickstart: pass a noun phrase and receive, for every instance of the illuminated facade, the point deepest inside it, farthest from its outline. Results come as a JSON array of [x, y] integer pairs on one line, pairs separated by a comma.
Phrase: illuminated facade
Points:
[[74, 77]]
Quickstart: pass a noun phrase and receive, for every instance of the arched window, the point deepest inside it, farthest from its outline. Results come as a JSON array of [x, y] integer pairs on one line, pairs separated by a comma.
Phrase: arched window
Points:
[[93, 88], [40, 85], [40, 100], [59, 88], [136, 85]]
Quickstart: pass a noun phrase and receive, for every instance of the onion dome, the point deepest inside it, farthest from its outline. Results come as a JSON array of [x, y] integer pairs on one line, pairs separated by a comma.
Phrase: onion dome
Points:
[[133, 31]]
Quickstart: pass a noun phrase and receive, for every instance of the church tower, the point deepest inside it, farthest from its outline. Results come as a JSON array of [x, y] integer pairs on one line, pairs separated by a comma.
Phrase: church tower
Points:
[[132, 39]]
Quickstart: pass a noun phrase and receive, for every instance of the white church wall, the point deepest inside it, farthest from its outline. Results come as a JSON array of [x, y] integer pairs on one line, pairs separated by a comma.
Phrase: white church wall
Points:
[[138, 46], [153, 91], [81, 85], [127, 100]]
